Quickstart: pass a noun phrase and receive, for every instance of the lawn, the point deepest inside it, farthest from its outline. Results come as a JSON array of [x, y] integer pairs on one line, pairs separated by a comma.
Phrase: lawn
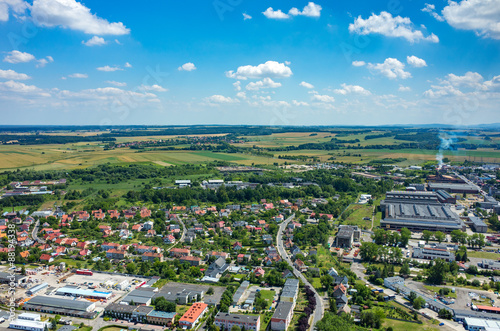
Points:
[[400, 325], [435, 289], [268, 296], [357, 213], [325, 258], [483, 255]]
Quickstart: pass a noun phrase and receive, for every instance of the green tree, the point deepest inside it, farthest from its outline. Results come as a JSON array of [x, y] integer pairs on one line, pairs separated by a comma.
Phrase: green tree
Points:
[[405, 236], [332, 322], [440, 236], [418, 303], [427, 235], [405, 270], [437, 272]]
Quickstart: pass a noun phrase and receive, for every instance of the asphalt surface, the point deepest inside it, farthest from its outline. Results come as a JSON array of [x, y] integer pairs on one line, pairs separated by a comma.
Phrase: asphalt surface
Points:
[[320, 308]]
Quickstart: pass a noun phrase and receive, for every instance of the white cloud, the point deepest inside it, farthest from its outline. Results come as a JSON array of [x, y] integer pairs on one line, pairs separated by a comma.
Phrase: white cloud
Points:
[[187, 67], [275, 14], [154, 88], [15, 57], [220, 99], [77, 75], [17, 87], [265, 83], [95, 41], [109, 69], [347, 89], [389, 26], [246, 17], [470, 79], [241, 95], [429, 8], [471, 83], [12, 75], [323, 98], [269, 69], [115, 83], [310, 10], [391, 68], [442, 91], [299, 103], [70, 14], [416, 62], [306, 85], [404, 88], [358, 63], [18, 57], [481, 16], [16, 6], [237, 86], [128, 65]]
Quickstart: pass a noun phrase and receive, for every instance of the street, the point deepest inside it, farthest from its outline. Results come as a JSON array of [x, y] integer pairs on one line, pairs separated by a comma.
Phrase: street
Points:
[[320, 309]]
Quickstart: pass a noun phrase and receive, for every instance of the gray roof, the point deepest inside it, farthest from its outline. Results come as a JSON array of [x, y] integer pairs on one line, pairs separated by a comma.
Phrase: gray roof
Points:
[[162, 314], [452, 187], [283, 310], [237, 318], [115, 307], [60, 303]]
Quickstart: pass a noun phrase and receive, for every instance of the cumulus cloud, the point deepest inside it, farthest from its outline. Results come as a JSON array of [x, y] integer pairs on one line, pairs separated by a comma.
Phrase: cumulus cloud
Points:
[[404, 88], [310, 10], [358, 63], [271, 69], [187, 67], [237, 86], [77, 75], [416, 62], [12, 75], [109, 69], [430, 8], [15, 57], [241, 95], [17, 87], [323, 98], [299, 103], [470, 79], [391, 68], [115, 83], [442, 91], [480, 16], [128, 65], [154, 88], [306, 85], [70, 14], [220, 99], [275, 14], [265, 83], [246, 17], [95, 41], [18, 57], [347, 89], [467, 84], [389, 26], [16, 6]]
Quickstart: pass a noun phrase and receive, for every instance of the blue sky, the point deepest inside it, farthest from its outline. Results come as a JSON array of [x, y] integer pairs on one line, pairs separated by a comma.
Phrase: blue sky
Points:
[[249, 62]]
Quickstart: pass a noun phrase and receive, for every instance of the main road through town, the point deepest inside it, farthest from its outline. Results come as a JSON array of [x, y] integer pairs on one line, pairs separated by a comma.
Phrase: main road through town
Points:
[[320, 308]]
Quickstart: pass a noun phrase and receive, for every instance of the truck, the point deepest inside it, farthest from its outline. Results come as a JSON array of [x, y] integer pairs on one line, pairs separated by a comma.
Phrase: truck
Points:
[[85, 272]]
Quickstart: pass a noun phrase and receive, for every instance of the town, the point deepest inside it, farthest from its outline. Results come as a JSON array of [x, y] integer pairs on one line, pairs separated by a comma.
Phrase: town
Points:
[[411, 244]]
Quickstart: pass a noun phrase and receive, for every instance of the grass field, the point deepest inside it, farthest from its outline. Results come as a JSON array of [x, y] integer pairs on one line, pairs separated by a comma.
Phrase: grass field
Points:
[[435, 289], [483, 255], [401, 325], [358, 213], [268, 296]]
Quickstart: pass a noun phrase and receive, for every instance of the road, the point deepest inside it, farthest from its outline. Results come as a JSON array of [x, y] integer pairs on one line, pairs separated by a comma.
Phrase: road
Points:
[[34, 233], [182, 236], [320, 307]]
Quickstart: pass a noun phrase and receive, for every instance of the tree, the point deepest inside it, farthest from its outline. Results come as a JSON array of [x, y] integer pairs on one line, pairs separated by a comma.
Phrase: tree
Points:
[[131, 267], [332, 322], [405, 236], [418, 303], [445, 313], [405, 270], [210, 291], [326, 281], [427, 235], [458, 236], [412, 296], [437, 272], [440, 237]]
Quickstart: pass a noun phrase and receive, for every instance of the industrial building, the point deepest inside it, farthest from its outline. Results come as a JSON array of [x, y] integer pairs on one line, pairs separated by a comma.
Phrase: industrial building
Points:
[[453, 188], [7, 277], [477, 324], [75, 291], [430, 253], [445, 197], [282, 316], [226, 321], [29, 322], [477, 224], [418, 211], [347, 235], [60, 306], [139, 297], [182, 295], [160, 317], [37, 288]]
